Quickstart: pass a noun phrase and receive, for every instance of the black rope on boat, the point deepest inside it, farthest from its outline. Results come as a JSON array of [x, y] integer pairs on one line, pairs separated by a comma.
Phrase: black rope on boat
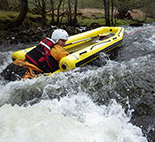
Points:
[[82, 52]]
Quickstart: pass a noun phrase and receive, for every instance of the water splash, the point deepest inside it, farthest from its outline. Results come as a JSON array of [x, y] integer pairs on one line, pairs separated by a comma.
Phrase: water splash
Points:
[[97, 102], [74, 118]]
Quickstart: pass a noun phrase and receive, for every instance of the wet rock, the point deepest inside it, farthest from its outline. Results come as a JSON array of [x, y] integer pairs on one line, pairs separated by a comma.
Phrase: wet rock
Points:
[[33, 34], [136, 24], [93, 26]]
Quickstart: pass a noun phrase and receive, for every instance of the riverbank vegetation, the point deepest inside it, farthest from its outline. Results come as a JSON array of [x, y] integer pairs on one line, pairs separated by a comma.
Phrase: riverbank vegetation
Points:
[[20, 15], [14, 13]]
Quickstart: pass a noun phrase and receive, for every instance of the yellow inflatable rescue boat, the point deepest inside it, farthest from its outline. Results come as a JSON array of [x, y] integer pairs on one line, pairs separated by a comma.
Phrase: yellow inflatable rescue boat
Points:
[[84, 47]]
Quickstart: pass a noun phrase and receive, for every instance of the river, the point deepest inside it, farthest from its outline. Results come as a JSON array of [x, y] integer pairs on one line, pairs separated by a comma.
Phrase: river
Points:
[[109, 100]]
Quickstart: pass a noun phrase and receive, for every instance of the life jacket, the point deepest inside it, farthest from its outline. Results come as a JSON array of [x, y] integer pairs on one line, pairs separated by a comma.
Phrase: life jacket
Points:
[[26, 70], [41, 56], [20, 70]]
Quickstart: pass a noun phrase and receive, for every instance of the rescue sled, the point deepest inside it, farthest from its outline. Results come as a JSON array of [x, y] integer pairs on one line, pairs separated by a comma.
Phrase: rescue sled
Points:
[[84, 47]]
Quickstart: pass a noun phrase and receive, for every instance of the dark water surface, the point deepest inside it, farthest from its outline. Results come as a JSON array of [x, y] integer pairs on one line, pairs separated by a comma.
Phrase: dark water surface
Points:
[[111, 99]]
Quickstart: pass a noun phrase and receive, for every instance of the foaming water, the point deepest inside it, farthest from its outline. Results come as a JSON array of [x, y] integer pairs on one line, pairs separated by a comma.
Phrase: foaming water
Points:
[[5, 59], [72, 118], [73, 115], [138, 42], [107, 100]]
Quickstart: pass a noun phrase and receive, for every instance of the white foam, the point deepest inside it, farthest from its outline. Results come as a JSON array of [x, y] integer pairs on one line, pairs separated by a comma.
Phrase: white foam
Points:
[[72, 119]]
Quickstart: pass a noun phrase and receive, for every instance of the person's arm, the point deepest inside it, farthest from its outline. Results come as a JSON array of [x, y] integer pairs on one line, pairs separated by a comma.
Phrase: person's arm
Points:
[[58, 52]]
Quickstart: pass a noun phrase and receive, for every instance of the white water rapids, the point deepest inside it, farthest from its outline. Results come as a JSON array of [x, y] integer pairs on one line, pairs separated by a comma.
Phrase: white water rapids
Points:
[[73, 116]]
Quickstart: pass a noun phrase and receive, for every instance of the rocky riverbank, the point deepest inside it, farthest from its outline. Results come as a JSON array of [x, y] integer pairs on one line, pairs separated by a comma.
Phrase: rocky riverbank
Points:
[[32, 34]]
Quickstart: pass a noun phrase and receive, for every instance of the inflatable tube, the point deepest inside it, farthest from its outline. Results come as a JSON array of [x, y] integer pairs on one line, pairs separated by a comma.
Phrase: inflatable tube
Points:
[[84, 47]]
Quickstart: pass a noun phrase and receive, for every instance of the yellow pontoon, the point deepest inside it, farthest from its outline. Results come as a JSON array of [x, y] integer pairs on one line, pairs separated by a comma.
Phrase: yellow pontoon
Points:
[[84, 47]]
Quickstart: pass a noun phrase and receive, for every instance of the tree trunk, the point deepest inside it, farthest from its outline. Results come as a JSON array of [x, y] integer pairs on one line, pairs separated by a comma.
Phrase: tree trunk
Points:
[[70, 21], [63, 9], [112, 12], [42, 8], [75, 12], [43, 11], [52, 11], [107, 12], [58, 11], [72, 18], [22, 15]]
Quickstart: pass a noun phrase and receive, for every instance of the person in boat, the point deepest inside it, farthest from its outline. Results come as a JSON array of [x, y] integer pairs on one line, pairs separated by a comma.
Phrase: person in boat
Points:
[[44, 58]]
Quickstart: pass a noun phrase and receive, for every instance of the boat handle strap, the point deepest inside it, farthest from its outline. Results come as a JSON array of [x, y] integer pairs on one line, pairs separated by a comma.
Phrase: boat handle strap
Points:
[[115, 38], [82, 52]]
